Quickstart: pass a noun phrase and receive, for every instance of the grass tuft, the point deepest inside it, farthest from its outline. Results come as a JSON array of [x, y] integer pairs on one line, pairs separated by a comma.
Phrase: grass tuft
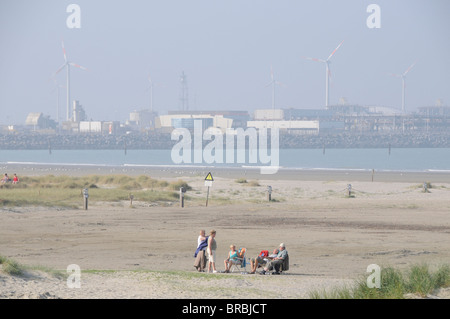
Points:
[[418, 280], [11, 267]]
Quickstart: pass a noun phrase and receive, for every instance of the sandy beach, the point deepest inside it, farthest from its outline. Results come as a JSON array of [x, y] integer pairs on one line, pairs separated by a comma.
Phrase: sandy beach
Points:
[[146, 251]]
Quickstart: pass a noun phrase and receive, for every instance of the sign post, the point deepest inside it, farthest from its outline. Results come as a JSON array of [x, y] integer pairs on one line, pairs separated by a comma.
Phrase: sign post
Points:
[[208, 183], [85, 198]]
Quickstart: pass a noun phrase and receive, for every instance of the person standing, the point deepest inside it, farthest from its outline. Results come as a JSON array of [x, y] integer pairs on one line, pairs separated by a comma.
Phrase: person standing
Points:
[[212, 246], [200, 253], [201, 237]]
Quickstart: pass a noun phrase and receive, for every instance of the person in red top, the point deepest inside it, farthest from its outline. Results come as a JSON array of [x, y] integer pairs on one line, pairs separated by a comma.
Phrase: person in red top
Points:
[[262, 260], [15, 179]]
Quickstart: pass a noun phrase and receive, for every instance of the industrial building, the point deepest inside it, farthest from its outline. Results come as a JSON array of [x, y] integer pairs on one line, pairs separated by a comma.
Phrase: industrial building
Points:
[[142, 120], [222, 120], [37, 121]]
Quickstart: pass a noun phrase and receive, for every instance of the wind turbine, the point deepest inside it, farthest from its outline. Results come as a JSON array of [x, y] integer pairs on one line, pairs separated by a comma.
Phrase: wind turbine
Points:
[[150, 88], [328, 73], [403, 77], [273, 83], [67, 64]]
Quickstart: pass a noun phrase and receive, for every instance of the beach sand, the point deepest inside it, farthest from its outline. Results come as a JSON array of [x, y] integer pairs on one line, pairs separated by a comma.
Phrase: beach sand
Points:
[[146, 251]]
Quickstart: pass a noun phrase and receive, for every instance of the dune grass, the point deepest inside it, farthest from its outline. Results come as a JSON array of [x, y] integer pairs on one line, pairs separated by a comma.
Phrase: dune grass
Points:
[[11, 267], [66, 191], [417, 280]]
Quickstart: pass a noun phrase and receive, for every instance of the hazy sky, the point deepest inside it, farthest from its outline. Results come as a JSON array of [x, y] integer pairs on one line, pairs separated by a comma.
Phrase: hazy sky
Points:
[[225, 48]]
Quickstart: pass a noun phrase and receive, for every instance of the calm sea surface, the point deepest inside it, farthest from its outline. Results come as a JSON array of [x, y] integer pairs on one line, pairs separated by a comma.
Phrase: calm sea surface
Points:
[[402, 159]]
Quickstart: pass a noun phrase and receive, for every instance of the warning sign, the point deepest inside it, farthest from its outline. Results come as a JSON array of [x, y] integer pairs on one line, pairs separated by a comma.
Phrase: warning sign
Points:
[[209, 177]]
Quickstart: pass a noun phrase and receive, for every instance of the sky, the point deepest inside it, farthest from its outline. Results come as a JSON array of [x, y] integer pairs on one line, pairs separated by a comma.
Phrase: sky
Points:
[[225, 48]]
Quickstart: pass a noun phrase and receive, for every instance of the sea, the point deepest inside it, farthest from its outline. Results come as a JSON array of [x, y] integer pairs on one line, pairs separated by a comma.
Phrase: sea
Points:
[[395, 159]]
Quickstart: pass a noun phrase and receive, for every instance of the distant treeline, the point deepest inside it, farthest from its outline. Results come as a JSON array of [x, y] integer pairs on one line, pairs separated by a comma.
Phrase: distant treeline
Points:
[[163, 141]]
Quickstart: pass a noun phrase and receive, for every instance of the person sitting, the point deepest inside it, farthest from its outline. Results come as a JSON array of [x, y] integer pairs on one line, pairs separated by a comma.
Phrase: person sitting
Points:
[[15, 179], [232, 258], [5, 178], [276, 262], [261, 260]]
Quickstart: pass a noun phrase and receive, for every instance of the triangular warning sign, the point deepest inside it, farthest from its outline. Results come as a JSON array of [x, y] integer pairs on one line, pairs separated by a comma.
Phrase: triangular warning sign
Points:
[[209, 177]]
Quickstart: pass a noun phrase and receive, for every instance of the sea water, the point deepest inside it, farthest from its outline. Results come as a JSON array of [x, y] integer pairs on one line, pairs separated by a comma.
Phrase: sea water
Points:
[[401, 159]]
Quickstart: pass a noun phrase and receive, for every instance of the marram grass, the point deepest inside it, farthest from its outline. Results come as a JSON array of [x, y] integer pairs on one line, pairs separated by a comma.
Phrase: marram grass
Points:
[[66, 191], [417, 280]]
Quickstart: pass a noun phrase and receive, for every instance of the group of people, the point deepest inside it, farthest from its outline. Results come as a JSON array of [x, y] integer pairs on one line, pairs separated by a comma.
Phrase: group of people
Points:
[[271, 262], [206, 254], [7, 179]]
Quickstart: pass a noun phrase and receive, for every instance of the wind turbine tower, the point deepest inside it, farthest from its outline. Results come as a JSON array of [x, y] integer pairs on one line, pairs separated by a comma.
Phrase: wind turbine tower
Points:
[[184, 97], [328, 72], [403, 77], [57, 87], [273, 83], [67, 64], [151, 92]]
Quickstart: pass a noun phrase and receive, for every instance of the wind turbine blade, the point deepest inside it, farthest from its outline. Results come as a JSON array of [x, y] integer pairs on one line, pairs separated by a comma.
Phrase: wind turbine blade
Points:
[[395, 75], [409, 69], [314, 59], [270, 84], [64, 51], [332, 53], [59, 70], [78, 66]]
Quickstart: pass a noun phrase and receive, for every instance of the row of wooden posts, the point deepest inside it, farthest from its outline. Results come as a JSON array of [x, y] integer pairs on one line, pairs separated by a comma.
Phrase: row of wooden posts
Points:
[[183, 192], [85, 193]]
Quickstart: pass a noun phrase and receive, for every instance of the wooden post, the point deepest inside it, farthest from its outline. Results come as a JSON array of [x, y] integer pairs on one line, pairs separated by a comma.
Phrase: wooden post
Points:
[[373, 172], [131, 200], [85, 197], [349, 189], [269, 193], [207, 197], [182, 191]]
